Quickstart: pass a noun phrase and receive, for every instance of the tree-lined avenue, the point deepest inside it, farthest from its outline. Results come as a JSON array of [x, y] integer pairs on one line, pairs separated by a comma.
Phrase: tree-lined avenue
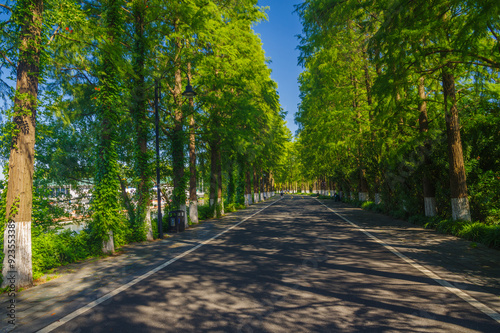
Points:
[[295, 266]]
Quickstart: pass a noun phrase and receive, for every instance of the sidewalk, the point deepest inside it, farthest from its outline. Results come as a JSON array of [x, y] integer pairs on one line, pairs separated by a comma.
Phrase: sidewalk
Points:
[[81, 283], [473, 268]]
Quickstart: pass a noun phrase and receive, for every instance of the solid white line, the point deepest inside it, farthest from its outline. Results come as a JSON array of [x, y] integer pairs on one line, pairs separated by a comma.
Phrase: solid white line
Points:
[[457, 291], [118, 290]]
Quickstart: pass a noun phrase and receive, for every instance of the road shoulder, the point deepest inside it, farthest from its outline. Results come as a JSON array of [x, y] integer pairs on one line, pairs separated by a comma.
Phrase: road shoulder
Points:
[[472, 268]]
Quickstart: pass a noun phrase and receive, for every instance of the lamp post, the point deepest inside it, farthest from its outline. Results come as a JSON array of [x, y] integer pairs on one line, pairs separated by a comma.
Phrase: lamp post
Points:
[[189, 93], [193, 200]]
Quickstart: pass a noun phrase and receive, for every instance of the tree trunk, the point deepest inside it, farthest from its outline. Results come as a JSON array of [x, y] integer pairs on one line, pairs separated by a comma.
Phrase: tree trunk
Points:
[[248, 188], [255, 186], [213, 173], [141, 122], [106, 208], [193, 199], [378, 199], [363, 185], [220, 201], [429, 189], [149, 234], [126, 198], [458, 183], [17, 237], [261, 186], [178, 143]]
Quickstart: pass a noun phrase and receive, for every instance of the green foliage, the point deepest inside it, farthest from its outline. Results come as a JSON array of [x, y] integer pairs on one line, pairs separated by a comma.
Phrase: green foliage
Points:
[[480, 232], [205, 212], [233, 207], [371, 75], [45, 210], [51, 250], [99, 65]]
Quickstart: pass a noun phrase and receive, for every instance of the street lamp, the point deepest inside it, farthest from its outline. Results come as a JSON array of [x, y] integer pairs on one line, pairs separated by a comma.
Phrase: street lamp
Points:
[[189, 92], [193, 200]]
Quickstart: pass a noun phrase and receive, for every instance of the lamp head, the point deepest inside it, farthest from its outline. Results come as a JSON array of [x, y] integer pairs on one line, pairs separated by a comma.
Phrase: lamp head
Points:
[[189, 92]]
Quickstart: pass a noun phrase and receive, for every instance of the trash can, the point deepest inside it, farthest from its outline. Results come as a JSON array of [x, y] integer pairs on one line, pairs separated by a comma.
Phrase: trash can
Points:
[[176, 221]]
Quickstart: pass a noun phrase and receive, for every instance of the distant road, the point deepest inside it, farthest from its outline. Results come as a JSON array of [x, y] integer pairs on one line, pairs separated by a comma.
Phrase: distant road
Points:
[[294, 267]]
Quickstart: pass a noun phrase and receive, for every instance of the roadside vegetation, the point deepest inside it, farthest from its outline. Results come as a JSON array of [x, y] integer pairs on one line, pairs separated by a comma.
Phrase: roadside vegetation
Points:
[[91, 77], [478, 232], [400, 110]]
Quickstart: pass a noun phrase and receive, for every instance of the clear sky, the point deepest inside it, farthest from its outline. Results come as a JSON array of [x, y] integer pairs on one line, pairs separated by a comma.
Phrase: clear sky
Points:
[[278, 35]]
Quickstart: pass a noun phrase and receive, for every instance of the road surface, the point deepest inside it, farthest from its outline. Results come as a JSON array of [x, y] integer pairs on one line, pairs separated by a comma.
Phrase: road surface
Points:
[[296, 266]]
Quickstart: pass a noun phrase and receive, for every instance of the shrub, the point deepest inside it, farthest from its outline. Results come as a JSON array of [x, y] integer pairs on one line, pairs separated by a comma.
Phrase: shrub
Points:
[[418, 219], [399, 214], [367, 205], [52, 250], [205, 212]]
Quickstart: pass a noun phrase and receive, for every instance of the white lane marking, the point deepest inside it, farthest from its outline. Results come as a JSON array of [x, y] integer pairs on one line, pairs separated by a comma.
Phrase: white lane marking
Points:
[[457, 291], [118, 290]]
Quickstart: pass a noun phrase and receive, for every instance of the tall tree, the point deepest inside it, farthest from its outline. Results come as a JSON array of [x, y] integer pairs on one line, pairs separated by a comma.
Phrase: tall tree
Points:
[[17, 238], [106, 208]]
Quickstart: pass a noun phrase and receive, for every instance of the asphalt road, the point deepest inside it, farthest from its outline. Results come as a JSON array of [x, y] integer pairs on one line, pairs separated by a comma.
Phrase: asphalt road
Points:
[[294, 267]]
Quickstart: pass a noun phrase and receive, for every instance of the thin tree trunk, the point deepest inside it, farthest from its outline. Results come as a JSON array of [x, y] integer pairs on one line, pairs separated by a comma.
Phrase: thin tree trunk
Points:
[[429, 189], [220, 201], [17, 237], [213, 173], [178, 197], [248, 188], [458, 182], [255, 186]]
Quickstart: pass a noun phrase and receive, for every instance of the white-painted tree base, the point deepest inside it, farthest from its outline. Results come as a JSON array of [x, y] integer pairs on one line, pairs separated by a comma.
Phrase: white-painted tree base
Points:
[[108, 246], [378, 199], [460, 209], [363, 196], [149, 234], [221, 203], [193, 211], [255, 197], [183, 208], [19, 273], [247, 201], [351, 195], [430, 206]]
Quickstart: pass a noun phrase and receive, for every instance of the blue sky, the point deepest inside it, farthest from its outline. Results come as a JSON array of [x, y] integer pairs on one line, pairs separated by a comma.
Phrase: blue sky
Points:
[[278, 36]]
